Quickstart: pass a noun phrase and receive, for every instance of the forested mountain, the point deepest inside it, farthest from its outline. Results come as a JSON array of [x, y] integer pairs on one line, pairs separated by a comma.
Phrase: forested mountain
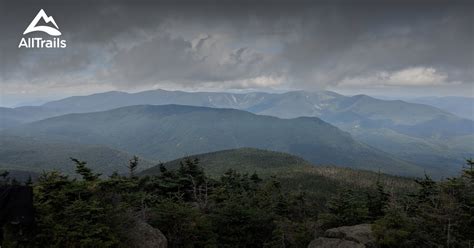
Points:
[[172, 131], [292, 171], [424, 129], [248, 160], [10, 117], [38, 155], [417, 133], [460, 106]]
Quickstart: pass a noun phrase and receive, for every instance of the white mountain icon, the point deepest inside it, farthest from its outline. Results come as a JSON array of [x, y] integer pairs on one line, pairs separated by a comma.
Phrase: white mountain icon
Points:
[[49, 30]]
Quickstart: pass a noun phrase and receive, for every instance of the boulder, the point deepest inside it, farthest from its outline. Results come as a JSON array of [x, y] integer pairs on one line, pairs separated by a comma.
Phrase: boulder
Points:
[[361, 234], [334, 243], [140, 234], [358, 236]]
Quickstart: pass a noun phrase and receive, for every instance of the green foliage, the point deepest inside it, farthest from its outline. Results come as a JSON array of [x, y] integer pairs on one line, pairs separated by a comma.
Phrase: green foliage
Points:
[[69, 214], [247, 160], [289, 233], [440, 214], [345, 209], [377, 201], [183, 225], [82, 213], [245, 210], [294, 173], [84, 171], [395, 229], [132, 166], [240, 225]]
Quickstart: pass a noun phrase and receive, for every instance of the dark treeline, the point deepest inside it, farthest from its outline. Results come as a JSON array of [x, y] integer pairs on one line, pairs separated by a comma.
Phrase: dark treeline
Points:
[[237, 210]]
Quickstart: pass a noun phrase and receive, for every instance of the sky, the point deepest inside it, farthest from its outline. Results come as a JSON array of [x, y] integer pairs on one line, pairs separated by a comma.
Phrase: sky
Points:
[[386, 48]]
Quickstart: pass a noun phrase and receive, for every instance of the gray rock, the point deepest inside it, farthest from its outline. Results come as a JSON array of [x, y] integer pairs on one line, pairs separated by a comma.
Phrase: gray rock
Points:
[[358, 236], [140, 234], [361, 234], [334, 243]]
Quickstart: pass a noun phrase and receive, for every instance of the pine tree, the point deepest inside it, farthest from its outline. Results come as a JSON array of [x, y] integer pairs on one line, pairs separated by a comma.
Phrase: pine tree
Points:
[[4, 174], [346, 208], [132, 166], [85, 171], [377, 201]]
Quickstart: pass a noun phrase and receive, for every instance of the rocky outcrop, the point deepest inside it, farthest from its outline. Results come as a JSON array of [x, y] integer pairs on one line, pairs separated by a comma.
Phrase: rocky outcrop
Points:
[[140, 234], [361, 234], [334, 243], [358, 236]]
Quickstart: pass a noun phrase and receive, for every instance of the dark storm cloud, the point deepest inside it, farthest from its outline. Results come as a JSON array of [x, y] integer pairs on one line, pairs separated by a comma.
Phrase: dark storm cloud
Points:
[[348, 43], [238, 44]]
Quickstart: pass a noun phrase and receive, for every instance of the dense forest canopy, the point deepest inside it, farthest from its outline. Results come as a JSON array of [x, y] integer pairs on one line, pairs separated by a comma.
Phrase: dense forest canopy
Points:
[[237, 210]]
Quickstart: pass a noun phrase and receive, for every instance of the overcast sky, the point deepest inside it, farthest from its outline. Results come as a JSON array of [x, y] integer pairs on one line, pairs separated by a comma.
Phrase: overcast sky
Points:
[[405, 48]]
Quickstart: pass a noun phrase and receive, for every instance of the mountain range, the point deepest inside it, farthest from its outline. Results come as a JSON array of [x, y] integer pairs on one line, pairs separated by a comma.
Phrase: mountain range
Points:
[[166, 132], [419, 134], [460, 106]]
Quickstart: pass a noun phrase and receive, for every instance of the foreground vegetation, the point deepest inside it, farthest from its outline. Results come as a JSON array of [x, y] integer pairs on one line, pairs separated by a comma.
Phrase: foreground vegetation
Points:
[[241, 210]]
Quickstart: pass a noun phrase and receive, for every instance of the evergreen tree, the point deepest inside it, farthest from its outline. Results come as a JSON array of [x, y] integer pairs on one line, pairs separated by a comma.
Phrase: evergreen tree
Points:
[[132, 166], [84, 171], [345, 209], [377, 201]]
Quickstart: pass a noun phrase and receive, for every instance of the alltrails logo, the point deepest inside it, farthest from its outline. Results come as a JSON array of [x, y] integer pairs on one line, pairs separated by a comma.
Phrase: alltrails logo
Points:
[[38, 42]]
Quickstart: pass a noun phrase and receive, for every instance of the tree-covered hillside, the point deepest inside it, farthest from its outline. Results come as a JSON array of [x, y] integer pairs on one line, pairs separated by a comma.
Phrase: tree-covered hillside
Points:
[[246, 160], [292, 171], [184, 207], [415, 133], [173, 131], [38, 155], [460, 106]]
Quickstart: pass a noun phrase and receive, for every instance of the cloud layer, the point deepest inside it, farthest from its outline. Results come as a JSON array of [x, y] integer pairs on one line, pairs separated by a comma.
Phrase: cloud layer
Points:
[[131, 45]]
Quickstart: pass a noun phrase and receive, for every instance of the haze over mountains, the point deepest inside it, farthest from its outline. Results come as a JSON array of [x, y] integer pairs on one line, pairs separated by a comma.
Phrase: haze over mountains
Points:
[[171, 131], [38, 155], [325, 104], [460, 106], [417, 137]]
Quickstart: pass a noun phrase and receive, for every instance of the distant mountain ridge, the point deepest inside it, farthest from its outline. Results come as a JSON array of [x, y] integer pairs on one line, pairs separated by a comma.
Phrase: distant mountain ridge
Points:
[[171, 131], [324, 104], [363, 116], [35, 154], [284, 105], [10, 117], [460, 106], [418, 133]]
